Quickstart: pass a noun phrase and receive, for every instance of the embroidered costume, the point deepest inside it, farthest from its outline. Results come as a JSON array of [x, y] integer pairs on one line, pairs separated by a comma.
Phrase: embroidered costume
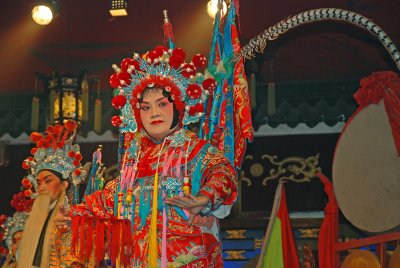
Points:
[[57, 153], [129, 218], [182, 157]]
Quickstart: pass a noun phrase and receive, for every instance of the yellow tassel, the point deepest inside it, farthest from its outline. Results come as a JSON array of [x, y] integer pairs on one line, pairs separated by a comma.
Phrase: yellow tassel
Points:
[[97, 116], [128, 199], [186, 185], [120, 196], [153, 247]]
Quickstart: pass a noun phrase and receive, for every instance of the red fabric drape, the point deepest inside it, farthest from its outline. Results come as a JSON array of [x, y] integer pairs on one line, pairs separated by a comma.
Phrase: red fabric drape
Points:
[[328, 232], [383, 85]]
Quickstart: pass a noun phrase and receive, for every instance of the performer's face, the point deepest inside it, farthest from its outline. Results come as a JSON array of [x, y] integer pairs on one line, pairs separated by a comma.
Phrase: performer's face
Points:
[[50, 184], [15, 241], [156, 113]]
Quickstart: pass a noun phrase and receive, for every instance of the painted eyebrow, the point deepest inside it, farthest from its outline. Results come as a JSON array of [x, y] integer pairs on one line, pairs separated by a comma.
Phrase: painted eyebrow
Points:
[[160, 99], [45, 177]]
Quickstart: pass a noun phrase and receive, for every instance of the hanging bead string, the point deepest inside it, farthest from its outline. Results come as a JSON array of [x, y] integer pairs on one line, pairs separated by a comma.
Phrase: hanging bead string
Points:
[[186, 182]]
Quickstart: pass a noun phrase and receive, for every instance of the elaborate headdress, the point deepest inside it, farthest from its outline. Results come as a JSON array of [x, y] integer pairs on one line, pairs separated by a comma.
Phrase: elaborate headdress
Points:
[[165, 68], [55, 150], [11, 225]]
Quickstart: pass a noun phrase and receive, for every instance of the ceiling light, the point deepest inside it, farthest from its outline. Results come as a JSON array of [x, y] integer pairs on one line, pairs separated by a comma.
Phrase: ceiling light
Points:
[[44, 11], [212, 8], [118, 8]]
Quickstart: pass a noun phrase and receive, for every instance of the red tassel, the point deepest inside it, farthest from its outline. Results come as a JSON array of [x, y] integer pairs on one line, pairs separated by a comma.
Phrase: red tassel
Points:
[[115, 245], [81, 255], [75, 234], [109, 225], [127, 247], [99, 252], [168, 34], [89, 238]]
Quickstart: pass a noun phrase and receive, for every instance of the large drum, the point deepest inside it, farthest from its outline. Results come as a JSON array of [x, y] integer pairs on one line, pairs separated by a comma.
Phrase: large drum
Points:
[[366, 171]]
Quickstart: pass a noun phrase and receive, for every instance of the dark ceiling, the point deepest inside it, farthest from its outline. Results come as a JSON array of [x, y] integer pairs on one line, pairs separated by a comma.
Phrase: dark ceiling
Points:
[[85, 36]]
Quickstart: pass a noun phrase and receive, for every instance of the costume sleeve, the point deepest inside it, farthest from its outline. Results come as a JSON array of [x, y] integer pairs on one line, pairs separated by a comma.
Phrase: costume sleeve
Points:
[[99, 204], [93, 224], [219, 181]]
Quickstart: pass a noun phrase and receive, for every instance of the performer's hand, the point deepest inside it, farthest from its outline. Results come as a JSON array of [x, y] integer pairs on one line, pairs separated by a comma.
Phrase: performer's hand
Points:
[[193, 204], [61, 220]]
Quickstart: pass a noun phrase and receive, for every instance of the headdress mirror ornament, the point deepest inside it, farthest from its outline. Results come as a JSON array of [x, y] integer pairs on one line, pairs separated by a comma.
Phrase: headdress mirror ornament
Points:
[[55, 150], [165, 68]]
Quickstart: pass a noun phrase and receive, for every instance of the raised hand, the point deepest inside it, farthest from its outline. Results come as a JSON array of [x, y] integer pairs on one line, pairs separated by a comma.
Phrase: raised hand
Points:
[[62, 220], [193, 204]]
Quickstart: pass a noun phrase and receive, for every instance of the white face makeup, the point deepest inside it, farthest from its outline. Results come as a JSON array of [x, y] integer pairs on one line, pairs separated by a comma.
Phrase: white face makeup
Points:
[[156, 114]]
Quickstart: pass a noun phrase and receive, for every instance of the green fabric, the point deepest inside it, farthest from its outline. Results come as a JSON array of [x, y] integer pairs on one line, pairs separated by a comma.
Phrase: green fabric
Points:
[[274, 255]]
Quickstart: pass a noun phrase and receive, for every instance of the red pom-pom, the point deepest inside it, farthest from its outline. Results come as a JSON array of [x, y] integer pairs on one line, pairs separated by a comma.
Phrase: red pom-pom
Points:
[[49, 138], [33, 151], [199, 61], [43, 143], [58, 129], [76, 162], [78, 156], [124, 79], [152, 55], [70, 125], [50, 129], [25, 165], [118, 101], [160, 50], [77, 172], [193, 91], [114, 81], [188, 70], [26, 183], [177, 58], [179, 52], [28, 192], [116, 121], [175, 62], [3, 219], [198, 108], [209, 84], [35, 136], [128, 62], [30, 158], [71, 154]]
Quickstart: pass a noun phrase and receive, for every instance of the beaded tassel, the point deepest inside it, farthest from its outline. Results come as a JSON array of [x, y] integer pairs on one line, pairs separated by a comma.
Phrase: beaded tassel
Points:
[[186, 185], [153, 247], [120, 196]]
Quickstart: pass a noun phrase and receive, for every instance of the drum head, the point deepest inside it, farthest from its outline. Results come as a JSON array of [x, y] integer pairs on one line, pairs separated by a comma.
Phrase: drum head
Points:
[[366, 171]]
